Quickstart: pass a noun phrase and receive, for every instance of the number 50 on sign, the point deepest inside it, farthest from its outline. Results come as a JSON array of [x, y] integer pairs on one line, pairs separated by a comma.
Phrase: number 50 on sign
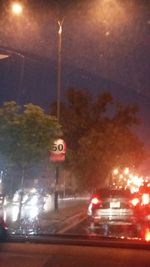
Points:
[[58, 150]]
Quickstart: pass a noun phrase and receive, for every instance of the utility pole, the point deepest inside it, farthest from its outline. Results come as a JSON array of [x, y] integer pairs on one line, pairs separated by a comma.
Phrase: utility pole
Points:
[[59, 71]]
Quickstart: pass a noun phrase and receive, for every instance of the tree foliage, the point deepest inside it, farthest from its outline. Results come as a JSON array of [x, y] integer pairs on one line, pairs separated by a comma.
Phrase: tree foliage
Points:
[[25, 135], [99, 134]]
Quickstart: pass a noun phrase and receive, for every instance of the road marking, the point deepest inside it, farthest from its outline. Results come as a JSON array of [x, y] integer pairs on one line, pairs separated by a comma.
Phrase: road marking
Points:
[[73, 224]]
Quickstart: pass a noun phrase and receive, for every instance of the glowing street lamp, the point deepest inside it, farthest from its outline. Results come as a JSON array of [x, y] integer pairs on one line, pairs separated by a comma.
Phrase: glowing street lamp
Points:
[[17, 8], [59, 69]]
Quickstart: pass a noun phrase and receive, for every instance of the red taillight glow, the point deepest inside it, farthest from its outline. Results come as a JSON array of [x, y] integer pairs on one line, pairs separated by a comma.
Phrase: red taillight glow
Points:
[[147, 235], [95, 201], [135, 201], [145, 199]]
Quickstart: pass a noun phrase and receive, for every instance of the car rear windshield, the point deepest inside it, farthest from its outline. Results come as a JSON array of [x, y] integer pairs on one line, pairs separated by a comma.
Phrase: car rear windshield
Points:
[[113, 193]]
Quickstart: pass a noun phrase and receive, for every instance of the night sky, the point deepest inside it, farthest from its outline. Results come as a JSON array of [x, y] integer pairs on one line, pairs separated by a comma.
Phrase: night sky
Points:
[[105, 47]]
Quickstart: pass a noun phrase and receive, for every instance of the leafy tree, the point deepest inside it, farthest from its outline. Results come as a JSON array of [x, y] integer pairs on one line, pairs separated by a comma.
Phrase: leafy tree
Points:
[[25, 135], [99, 134]]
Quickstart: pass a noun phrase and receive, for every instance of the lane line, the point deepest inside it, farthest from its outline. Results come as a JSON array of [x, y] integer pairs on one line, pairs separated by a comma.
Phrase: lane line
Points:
[[65, 229]]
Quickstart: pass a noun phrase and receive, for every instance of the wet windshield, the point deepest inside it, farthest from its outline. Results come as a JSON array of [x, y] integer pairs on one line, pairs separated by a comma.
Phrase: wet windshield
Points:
[[74, 118]]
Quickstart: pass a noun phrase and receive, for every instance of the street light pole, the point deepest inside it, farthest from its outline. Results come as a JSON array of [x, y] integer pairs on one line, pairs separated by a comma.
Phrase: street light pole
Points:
[[59, 70], [60, 28]]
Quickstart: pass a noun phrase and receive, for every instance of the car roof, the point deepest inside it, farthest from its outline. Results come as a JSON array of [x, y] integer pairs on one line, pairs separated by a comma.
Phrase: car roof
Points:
[[112, 192]]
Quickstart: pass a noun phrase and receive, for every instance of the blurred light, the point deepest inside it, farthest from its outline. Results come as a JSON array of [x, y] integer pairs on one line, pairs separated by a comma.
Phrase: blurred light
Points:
[[33, 200], [60, 29], [2, 56], [110, 12], [121, 176], [137, 181], [5, 201], [25, 198], [145, 199], [126, 171], [15, 212], [33, 190], [128, 182], [134, 189], [48, 203], [33, 213], [95, 201], [135, 201], [115, 171], [17, 8], [107, 33], [16, 197], [5, 215], [147, 235]]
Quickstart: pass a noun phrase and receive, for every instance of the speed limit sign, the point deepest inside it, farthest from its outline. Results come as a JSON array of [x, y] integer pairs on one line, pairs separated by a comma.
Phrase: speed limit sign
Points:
[[58, 150]]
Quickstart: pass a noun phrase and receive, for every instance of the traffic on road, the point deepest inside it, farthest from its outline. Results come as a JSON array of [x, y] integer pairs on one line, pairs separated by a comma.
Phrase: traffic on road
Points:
[[107, 212]]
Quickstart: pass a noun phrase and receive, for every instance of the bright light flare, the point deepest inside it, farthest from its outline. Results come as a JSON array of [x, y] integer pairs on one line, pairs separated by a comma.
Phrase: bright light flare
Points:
[[126, 171], [147, 235], [115, 171], [33, 212], [135, 201], [34, 200], [25, 197], [33, 190], [95, 201], [15, 213], [17, 8], [48, 203], [60, 29], [145, 199], [16, 197]]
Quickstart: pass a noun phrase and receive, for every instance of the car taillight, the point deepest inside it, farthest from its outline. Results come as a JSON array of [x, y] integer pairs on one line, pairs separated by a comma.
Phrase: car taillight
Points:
[[135, 201], [147, 235], [145, 199], [96, 201]]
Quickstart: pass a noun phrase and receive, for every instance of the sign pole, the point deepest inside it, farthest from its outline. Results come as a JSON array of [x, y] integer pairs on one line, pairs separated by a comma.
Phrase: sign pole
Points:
[[57, 155], [56, 188]]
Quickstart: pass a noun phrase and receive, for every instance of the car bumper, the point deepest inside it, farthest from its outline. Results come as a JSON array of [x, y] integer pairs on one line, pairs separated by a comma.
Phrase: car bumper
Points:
[[109, 216]]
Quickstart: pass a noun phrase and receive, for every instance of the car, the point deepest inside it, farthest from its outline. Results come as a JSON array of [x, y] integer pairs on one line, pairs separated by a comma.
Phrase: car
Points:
[[3, 230], [74, 117], [111, 207], [141, 201]]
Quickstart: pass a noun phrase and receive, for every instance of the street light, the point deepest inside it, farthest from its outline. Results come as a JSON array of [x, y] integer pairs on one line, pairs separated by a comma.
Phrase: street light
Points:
[[17, 8], [60, 29], [59, 70]]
